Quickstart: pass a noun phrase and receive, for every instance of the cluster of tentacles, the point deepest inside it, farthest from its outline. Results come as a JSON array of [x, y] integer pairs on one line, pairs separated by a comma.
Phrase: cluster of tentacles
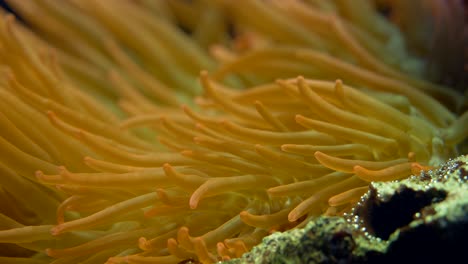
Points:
[[115, 149]]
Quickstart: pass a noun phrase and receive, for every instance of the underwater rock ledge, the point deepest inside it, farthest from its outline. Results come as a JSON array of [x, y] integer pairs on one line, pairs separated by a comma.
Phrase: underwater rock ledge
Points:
[[422, 219]]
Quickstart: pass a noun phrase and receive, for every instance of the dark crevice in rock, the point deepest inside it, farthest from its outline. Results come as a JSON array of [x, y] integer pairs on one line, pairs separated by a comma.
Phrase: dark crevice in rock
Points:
[[382, 218]]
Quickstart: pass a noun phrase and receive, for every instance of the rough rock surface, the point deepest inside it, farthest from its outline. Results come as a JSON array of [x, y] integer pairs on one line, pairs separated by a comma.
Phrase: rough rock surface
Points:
[[422, 219]]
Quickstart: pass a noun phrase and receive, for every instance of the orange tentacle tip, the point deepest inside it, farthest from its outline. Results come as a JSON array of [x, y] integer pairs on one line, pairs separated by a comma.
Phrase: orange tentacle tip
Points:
[[417, 168]]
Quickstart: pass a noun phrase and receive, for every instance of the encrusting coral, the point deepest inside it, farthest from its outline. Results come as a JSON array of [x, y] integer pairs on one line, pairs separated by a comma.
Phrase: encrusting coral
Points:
[[116, 149]]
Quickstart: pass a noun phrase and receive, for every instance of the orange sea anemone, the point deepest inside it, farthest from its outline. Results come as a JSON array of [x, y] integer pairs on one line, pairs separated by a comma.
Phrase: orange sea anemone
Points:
[[131, 141]]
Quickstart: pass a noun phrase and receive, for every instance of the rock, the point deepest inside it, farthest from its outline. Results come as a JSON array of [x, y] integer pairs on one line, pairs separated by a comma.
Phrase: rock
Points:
[[422, 219]]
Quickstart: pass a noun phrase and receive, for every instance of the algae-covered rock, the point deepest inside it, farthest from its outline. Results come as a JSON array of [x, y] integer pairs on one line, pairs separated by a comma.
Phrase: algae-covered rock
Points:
[[325, 240], [422, 219]]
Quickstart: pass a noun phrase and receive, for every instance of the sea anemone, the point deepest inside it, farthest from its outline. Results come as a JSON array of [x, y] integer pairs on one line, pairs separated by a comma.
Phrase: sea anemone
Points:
[[131, 141]]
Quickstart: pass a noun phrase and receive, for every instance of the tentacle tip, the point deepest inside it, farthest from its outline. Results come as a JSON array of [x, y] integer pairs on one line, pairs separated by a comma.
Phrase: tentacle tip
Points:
[[49, 252], [193, 203], [143, 243], [39, 175], [199, 126], [411, 156], [204, 73], [300, 79], [56, 230], [187, 153], [148, 214], [187, 111], [220, 248], [184, 230], [298, 118], [358, 169], [172, 245], [293, 216], [285, 147], [319, 154], [271, 191], [243, 214], [51, 114]]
